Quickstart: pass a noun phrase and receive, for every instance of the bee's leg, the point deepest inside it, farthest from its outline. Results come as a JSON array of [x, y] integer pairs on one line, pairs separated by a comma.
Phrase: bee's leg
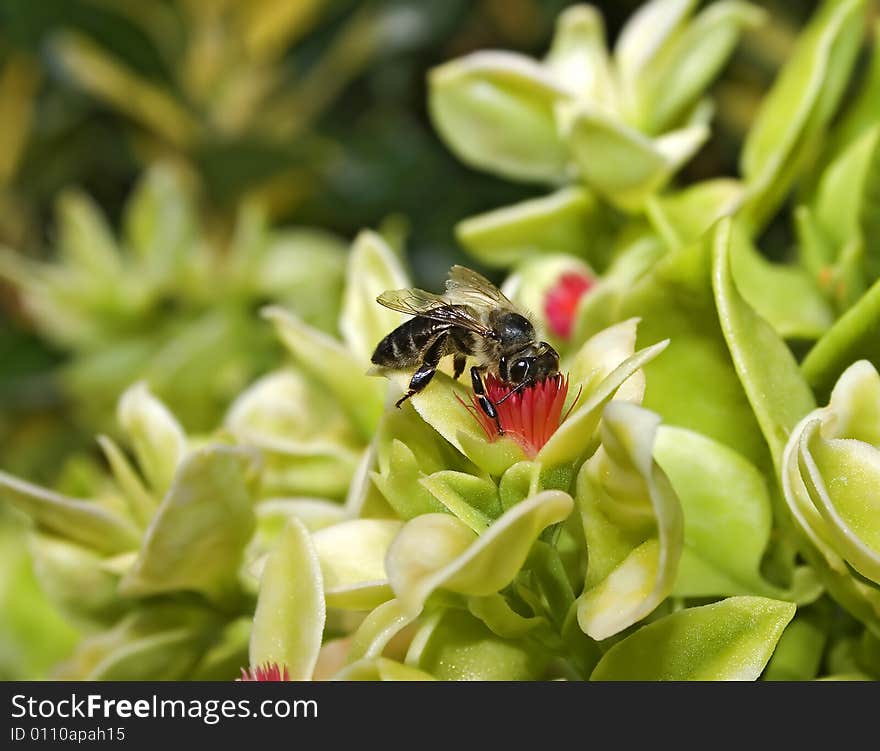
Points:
[[422, 377], [458, 363], [483, 400]]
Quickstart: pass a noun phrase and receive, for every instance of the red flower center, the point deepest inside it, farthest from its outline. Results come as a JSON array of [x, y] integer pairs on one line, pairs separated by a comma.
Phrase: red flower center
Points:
[[561, 302], [270, 671], [529, 416]]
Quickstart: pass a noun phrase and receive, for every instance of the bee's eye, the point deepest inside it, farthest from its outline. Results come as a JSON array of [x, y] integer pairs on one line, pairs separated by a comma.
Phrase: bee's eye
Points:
[[519, 370]]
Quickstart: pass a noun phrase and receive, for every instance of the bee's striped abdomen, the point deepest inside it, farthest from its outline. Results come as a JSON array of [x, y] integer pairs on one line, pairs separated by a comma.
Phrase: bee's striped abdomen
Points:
[[403, 347]]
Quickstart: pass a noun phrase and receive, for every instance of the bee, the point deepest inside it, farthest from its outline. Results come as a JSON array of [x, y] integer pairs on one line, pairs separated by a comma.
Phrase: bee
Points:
[[472, 318]]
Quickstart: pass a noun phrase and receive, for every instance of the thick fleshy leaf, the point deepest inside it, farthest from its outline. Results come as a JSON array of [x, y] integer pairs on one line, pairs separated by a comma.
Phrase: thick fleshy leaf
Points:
[[141, 503], [731, 640], [842, 477], [786, 296], [472, 499], [568, 221], [159, 222], [455, 646], [352, 557], [578, 57], [681, 217], [645, 34], [381, 669], [86, 240], [713, 482], [632, 523], [290, 614], [501, 619], [600, 355], [399, 481], [495, 111], [828, 537], [848, 191], [162, 642], [436, 551], [308, 444], [573, 438], [765, 365], [75, 579], [326, 360], [852, 337], [198, 535], [798, 654], [158, 440], [689, 62], [694, 384], [84, 522], [372, 269], [802, 101], [619, 162], [376, 630], [440, 405]]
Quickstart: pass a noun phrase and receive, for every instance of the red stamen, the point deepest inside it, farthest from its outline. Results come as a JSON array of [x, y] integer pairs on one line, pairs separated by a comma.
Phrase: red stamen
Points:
[[561, 302], [269, 671], [530, 416]]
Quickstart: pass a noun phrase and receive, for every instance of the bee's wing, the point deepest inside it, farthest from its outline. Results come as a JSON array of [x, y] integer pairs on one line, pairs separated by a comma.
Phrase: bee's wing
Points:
[[417, 302], [467, 287]]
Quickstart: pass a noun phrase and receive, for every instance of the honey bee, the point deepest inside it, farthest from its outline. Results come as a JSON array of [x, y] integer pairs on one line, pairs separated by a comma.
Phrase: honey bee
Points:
[[471, 318]]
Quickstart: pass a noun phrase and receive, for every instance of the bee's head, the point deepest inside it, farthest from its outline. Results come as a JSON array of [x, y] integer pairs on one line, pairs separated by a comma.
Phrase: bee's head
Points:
[[530, 365]]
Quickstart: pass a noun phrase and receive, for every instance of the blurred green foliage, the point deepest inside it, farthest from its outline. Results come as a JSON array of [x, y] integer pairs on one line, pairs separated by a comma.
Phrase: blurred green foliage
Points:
[[270, 119]]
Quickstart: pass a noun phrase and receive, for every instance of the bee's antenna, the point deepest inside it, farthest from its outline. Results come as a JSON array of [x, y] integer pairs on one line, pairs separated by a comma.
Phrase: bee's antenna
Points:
[[520, 387]]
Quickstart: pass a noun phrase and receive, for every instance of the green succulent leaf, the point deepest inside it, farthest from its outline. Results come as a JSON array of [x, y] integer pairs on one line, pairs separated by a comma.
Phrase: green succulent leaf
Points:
[[714, 483], [86, 523], [847, 501], [440, 405], [501, 619], [197, 537], [290, 615], [308, 445], [575, 436], [435, 551], [854, 336], [645, 34], [495, 111], [472, 499], [786, 296], [798, 654], [142, 504], [75, 579], [158, 441], [621, 163], [682, 216], [800, 104], [381, 669], [352, 556], [372, 268], [378, 628], [455, 646], [827, 465], [765, 365], [570, 220], [159, 222], [330, 363], [694, 385], [578, 57], [86, 240], [731, 640], [632, 523], [689, 62]]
